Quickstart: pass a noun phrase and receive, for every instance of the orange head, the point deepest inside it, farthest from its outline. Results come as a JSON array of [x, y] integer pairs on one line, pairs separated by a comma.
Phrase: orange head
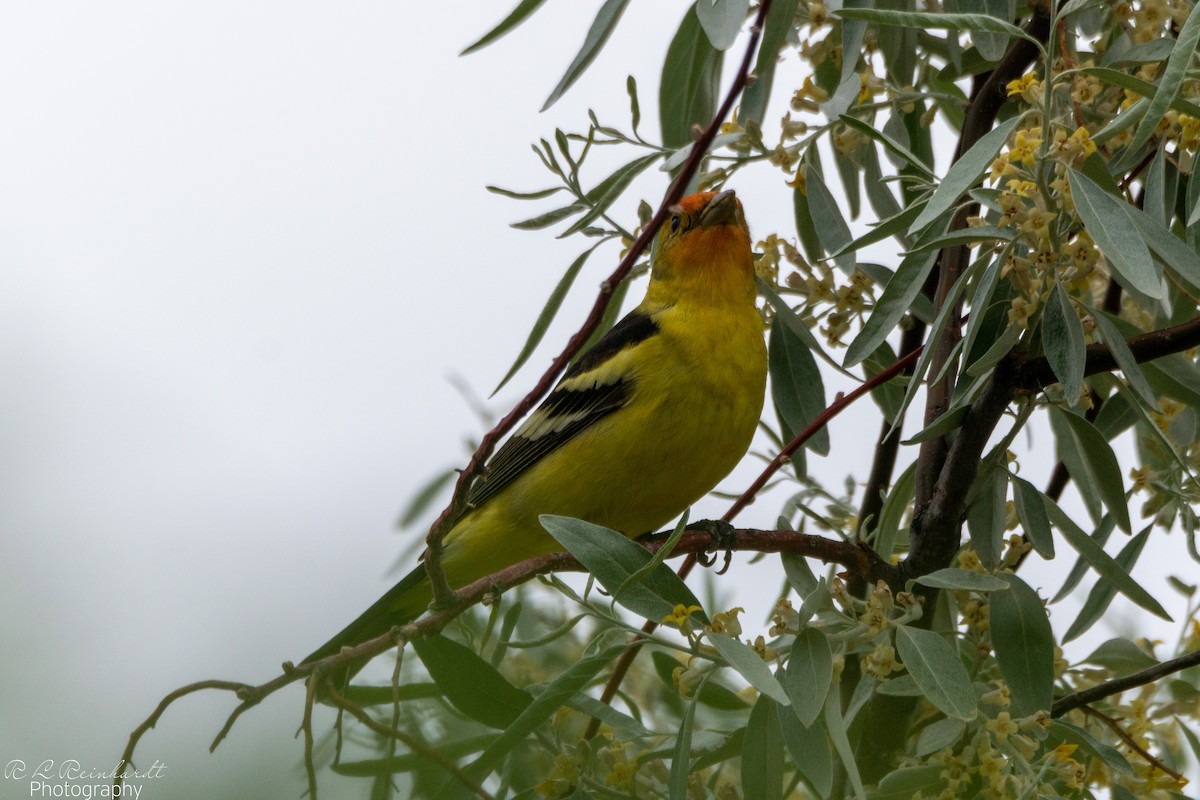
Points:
[[703, 250]]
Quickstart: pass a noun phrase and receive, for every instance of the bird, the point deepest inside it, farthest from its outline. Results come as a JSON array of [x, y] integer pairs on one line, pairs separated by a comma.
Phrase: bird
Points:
[[641, 425]]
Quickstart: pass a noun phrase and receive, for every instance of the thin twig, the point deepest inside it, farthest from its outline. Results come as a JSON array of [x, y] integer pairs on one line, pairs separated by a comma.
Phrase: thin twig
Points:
[[310, 768], [164, 704], [1132, 743], [1117, 685], [836, 407]]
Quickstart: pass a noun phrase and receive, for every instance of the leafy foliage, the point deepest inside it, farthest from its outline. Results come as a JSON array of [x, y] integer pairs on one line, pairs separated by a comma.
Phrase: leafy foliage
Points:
[[1050, 270]]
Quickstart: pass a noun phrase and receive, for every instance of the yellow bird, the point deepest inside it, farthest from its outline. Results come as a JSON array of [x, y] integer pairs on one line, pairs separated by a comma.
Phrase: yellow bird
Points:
[[641, 426]]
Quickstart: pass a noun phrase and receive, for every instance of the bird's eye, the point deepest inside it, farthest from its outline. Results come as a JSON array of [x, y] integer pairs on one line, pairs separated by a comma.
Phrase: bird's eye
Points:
[[674, 223]]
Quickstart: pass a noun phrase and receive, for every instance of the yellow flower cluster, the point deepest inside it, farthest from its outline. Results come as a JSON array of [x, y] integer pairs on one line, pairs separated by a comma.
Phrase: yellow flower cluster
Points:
[[827, 304]]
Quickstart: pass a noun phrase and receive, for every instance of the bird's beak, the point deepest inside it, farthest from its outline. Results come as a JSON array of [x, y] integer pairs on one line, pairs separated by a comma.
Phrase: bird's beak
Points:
[[721, 210]]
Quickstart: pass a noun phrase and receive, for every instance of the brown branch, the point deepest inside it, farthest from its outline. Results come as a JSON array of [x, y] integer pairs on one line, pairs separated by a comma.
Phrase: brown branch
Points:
[[1132, 743], [1117, 685], [859, 559], [442, 592], [163, 705], [936, 527], [886, 449], [1036, 373], [836, 407], [988, 97], [310, 769]]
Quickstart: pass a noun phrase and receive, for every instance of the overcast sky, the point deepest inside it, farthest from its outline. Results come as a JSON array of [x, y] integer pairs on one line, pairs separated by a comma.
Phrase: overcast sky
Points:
[[244, 249]]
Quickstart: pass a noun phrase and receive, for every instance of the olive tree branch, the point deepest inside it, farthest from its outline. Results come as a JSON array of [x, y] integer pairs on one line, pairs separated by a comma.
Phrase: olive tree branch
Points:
[[1117, 685], [1132, 743], [840, 403], [987, 98], [936, 527], [857, 558]]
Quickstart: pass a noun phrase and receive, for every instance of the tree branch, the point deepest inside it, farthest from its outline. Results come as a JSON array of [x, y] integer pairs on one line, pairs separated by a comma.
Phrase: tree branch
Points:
[[936, 527], [1036, 373], [1118, 685], [857, 558], [986, 101], [836, 407]]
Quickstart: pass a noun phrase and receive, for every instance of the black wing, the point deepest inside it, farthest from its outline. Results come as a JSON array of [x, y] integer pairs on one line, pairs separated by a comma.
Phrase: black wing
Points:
[[571, 408]]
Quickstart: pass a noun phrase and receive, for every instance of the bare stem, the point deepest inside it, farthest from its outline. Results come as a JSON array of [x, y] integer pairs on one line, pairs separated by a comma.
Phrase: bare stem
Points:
[[1117, 685]]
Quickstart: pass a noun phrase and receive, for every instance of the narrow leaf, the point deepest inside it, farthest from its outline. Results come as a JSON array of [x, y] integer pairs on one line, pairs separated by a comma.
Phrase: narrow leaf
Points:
[[836, 725], [687, 93], [939, 735], [799, 574], [1100, 462], [1170, 251], [602, 27], [613, 558], [549, 311], [934, 665], [893, 303], [990, 45], [831, 226], [1115, 233], [1031, 511], [950, 421], [809, 674], [796, 385], [1102, 562], [939, 21], [985, 517], [538, 195], [762, 749], [962, 579], [470, 683], [549, 218], [1125, 360], [1024, 645], [681, 755], [810, 752], [1106, 753], [722, 20], [635, 108], [891, 516], [1102, 593], [519, 14], [964, 173], [1062, 339], [1121, 656], [426, 495], [749, 665]]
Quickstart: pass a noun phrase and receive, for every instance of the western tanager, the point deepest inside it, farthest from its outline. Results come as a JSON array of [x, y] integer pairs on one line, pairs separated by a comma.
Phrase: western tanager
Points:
[[645, 422]]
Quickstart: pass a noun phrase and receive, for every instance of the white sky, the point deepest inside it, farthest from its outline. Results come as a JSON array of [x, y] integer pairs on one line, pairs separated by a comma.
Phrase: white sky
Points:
[[243, 248]]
